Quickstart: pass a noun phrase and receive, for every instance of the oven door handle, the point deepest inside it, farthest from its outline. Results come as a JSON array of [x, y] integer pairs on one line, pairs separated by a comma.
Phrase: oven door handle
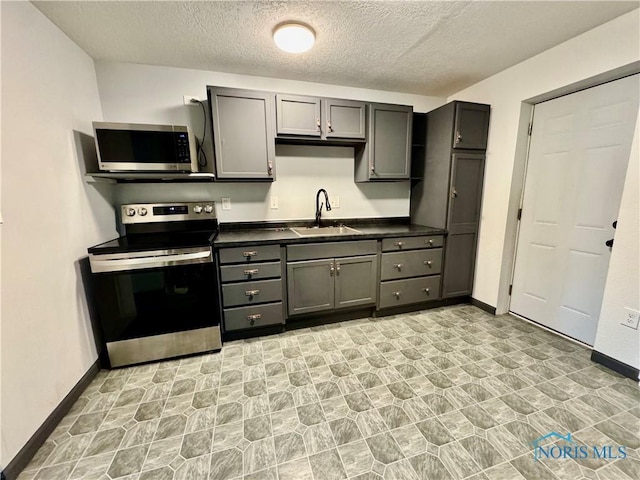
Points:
[[124, 264]]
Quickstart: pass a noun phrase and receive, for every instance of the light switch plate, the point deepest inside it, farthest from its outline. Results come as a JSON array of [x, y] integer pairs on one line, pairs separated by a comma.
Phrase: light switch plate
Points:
[[631, 318], [226, 203], [273, 203]]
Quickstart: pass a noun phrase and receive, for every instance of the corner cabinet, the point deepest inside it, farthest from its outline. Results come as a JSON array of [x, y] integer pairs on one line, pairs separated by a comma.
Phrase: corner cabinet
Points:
[[243, 133], [386, 155], [448, 191], [319, 118]]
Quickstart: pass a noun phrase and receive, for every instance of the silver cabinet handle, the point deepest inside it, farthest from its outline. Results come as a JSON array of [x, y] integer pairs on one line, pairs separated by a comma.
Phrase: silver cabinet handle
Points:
[[397, 294], [454, 193], [252, 253], [252, 293], [398, 266], [251, 272], [430, 241], [270, 167], [398, 244], [428, 263], [329, 127], [338, 268], [458, 137], [251, 318], [331, 269], [373, 168], [426, 290], [317, 124]]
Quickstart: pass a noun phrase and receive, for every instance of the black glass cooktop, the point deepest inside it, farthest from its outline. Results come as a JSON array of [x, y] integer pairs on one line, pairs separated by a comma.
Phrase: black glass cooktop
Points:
[[155, 241]]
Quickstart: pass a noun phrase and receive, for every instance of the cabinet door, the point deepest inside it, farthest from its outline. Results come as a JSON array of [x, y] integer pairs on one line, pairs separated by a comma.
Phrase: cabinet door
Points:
[[389, 142], [459, 265], [471, 126], [243, 131], [296, 115], [355, 281], [310, 286], [344, 119], [465, 194]]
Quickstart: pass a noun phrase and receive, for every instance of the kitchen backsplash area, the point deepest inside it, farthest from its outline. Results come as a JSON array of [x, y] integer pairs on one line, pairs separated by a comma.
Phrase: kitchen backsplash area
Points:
[[301, 171]]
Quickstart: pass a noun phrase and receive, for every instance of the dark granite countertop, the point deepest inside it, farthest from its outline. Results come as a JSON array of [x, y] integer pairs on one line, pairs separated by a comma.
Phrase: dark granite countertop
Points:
[[232, 235]]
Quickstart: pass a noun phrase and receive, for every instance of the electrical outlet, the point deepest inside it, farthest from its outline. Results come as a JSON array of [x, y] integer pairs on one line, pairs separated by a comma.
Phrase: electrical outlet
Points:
[[274, 203], [334, 201], [631, 318], [187, 100], [226, 203]]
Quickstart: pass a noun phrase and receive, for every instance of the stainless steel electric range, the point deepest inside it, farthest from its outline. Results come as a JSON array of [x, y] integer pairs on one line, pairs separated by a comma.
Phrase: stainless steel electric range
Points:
[[154, 288]]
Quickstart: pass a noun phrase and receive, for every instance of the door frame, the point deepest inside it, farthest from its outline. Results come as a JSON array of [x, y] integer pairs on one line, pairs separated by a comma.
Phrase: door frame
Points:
[[519, 171]]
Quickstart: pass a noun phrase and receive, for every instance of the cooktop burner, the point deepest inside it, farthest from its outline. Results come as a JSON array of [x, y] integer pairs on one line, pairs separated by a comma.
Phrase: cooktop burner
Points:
[[163, 226]]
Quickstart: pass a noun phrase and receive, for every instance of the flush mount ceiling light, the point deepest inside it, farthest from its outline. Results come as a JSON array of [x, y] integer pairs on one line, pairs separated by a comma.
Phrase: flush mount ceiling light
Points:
[[294, 37]]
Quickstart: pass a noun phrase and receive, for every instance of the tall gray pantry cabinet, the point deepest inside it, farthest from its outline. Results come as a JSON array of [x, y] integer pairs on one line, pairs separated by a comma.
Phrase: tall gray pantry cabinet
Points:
[[448, 189]]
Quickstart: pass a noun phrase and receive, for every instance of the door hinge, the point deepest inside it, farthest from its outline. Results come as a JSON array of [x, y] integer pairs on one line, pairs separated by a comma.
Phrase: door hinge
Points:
[[530, 128], [519, 213], [510, 289]]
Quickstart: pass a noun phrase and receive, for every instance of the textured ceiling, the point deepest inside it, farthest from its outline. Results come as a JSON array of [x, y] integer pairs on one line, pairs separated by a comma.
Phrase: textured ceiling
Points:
[[422, 47]]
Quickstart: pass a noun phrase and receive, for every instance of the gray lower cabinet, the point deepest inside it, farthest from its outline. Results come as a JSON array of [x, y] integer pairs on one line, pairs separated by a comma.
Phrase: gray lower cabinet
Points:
[[410, 270], [243, 133], [252, 288], [324, 284], [387, 153]]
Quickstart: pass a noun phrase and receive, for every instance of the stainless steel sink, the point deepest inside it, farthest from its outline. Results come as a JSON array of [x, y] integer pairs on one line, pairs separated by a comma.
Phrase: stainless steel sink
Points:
[[321, 231]]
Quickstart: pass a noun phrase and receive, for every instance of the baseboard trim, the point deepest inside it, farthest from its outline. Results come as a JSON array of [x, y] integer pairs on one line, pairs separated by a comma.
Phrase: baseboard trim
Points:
[[615, 365], [483, 306], [26, 453]]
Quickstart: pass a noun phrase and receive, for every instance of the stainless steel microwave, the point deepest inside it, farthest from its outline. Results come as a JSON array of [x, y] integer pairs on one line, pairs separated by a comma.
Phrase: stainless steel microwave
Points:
[[127, 147]]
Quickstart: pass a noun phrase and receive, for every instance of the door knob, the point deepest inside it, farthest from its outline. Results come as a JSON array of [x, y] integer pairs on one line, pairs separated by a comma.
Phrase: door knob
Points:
[[609, 243]]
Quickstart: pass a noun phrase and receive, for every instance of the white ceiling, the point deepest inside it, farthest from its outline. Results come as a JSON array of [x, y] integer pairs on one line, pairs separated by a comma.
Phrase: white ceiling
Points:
[[422, 47]]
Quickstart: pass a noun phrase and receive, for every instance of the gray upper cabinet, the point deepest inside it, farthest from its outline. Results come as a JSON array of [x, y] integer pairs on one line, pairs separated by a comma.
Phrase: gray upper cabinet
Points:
[[243, 133], [471, 126], [386, 156], [320, 118], [448, 191], [297, 115]]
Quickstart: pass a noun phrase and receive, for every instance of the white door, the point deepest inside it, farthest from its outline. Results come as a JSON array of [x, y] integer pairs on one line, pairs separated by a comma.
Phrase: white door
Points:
[[577, 163]]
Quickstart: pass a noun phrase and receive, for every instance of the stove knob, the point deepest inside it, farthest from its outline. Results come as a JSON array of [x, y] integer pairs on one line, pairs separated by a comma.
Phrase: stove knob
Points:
[[197, 209], [208, 208], [130, 212], [142, 211]]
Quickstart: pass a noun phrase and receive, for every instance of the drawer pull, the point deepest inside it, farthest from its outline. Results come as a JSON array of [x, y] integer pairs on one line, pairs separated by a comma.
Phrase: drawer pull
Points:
[[398, 244], [251, 272], [252, 253], [255, 317], [251, 293], [429, 263], [430, 241], [426, 290], [398, 266], [337, 268], [397, 294]]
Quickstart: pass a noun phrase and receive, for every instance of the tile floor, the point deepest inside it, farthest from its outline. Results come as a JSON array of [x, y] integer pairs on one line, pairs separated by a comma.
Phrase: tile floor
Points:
[[442, 394]]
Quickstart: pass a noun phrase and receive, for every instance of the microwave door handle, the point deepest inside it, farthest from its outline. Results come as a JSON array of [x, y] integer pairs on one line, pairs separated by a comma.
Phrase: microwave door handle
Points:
[[123, 264]]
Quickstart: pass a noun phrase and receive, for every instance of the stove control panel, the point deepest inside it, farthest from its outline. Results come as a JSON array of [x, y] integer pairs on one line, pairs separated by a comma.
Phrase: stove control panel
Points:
[[167, 212]]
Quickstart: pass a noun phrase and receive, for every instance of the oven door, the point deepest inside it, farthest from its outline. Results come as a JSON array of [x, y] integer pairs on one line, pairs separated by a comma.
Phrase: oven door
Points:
[[156, 304]]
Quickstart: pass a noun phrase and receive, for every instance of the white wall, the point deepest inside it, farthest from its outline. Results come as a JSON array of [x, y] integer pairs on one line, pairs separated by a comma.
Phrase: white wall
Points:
[[623, 280], [605, 48], [153, 94], [50, 215]]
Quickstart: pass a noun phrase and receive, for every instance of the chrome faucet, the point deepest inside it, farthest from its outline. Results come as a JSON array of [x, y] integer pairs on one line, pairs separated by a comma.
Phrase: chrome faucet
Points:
[[319, 205]]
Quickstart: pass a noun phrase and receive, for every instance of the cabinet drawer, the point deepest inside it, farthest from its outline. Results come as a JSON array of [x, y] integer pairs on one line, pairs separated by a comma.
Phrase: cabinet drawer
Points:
[[310, 251], [247, 293], [249, 254], [253, 316], [411, 243], [414, 263], [255, 271], [405, 292]]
